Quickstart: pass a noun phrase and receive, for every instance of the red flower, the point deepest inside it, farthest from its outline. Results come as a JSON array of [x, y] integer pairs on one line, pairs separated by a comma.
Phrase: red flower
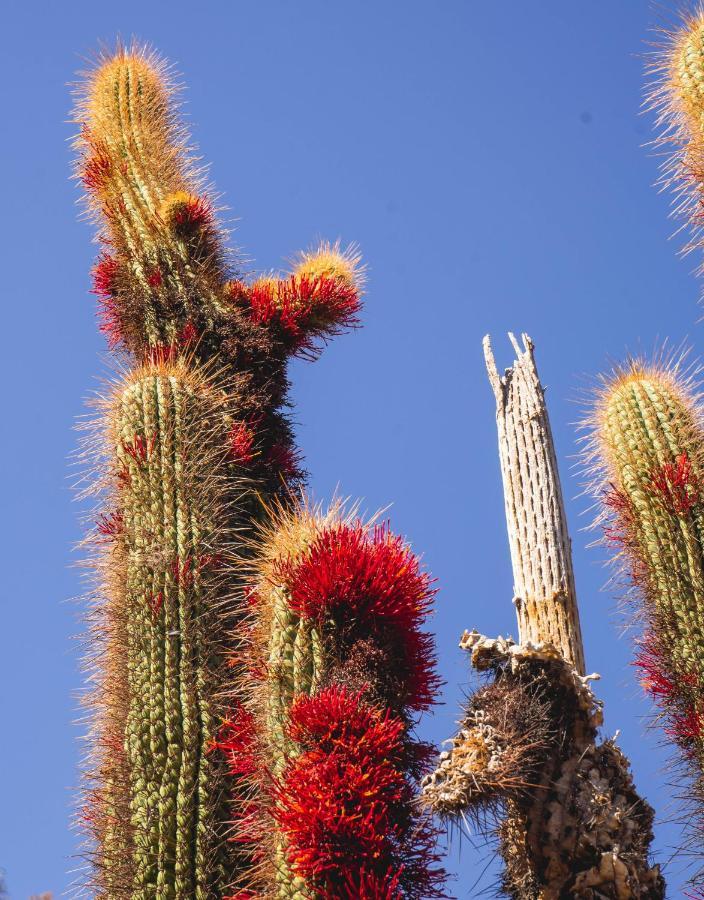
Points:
[[236, 740], [286, 459], [187, 335], [655, 678], [676, 485], [372, 586], [686, 728], [345, 805], [242, 439], [305, 308], [194, 213], [111, 524], [140, 447], [155, 279], [97, 165], [105, 276], [156, 601]]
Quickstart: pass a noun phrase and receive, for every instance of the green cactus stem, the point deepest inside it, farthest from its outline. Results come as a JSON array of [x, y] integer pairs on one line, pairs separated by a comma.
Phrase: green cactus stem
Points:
[[647, 444]]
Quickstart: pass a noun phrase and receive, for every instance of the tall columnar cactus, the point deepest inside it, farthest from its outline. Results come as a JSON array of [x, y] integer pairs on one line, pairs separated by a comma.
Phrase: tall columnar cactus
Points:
[[324, 741], [192, 439], [647, 447]]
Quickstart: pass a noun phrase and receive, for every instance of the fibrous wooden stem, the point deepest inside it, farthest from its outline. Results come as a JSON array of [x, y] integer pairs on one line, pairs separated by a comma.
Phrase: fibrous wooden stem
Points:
[[544, 590]]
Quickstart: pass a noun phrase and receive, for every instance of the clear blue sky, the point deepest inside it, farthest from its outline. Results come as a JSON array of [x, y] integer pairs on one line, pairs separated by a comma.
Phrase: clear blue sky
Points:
[[487, 157]]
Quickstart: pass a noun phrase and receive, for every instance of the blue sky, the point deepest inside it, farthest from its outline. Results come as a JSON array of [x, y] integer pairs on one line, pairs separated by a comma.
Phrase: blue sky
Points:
[[488, 159]]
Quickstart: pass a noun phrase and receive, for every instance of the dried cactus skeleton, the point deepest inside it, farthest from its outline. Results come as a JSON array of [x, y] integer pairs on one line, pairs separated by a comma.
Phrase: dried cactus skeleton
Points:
[[571, 822]]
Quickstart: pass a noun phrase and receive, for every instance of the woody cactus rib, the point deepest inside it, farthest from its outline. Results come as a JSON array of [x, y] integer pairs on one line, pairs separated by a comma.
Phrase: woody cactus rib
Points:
[[571, 823], [192, 441], [324, 741], [647, 443]]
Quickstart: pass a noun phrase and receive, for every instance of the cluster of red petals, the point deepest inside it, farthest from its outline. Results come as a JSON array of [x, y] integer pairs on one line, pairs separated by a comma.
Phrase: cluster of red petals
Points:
[[155, 279], [372, 586], [193, 214], [676, 485], [241, 441], [104, 275], [655, 678], [686, 727], [111, 524], [345, 805], [164, 353], [96, 166], [184, 572], [304, 308], [236, 740], [140, 447]]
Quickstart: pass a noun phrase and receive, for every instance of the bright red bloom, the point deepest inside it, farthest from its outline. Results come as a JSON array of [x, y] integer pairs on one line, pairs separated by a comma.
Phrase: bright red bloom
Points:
[[242, 440], [236, 740], [306, 308], [140, 447], [345, 805], [686, 727], [655, 678], [97, 165], [372, 586], [676, 485], [193, 213], [156, 601], [187, 335], [155, 279], [286, 459], [105, 276], [111, 524]]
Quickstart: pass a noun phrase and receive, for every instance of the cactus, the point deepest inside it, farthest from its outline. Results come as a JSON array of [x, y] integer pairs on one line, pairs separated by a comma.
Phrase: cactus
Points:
[[646, 447], [324, 741], [192, 437], [676, 96], [570, 821]]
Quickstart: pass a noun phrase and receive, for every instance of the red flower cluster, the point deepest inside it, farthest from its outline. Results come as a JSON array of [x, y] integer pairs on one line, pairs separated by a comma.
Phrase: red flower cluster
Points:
[[164, 353], [241, 443], [676, 485], [140, 447], [372, 586], [305, 308], [104, 275], [654, 677], [285, 459], [111, 524], [195, 213], [236, 740], [96, 166], [344, 804]]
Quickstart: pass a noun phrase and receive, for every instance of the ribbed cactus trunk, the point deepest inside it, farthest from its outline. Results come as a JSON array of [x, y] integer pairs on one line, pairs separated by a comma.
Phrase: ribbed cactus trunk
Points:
[[648, 442], [571, 821], [169, 553], [192, 444]]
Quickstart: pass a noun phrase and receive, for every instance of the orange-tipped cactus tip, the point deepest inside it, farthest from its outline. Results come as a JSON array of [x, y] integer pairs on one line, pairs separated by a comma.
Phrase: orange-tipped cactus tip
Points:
[[127, 73], [329, 261]]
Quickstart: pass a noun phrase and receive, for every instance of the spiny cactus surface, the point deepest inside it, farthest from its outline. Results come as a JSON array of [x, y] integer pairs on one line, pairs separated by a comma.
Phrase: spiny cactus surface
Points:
[[647, 444], [192, 441]]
